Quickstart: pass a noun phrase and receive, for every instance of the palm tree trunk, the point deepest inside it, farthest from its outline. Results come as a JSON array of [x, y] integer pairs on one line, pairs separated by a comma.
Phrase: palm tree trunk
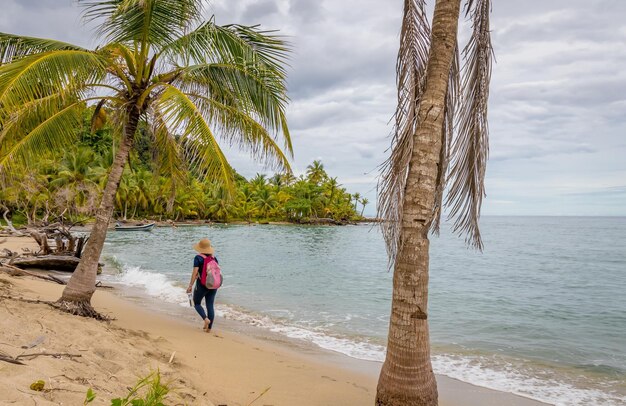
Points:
[[406, 377], [77, 294], [46, 214]]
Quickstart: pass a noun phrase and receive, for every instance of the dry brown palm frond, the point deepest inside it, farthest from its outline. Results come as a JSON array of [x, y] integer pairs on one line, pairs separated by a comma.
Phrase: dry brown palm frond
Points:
[[470, 148], [411, 73], [452, 102]]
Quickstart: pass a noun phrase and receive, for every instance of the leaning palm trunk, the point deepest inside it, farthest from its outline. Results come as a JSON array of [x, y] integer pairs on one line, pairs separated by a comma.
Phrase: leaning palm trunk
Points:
[[406, 377], [76, 297], [191, 81]]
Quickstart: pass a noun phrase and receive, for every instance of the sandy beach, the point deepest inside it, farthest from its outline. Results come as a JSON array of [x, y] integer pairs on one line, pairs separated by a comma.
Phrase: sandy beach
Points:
[[221, 368]]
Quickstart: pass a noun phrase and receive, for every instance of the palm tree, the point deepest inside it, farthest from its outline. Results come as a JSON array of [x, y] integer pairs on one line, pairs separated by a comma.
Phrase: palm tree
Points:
[[364, 202], [416, 175], [123, 195], [357, 198], [78, 175], [187, 200], [276, 181], [245, 202], [265, 201], [162, 64], [258, 182], [143, 189], [288, 179], [316, 172], [219, 203]]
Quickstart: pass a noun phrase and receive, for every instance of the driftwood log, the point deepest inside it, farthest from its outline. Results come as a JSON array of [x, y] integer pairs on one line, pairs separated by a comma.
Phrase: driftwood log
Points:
[[42, 240], [56, 262], [15, 271], [63, 263], [12, 229], [65, 243]]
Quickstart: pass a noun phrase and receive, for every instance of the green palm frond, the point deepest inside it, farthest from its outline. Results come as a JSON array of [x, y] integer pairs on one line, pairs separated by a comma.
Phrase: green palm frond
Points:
[[243, 58], [272, 50], [169, 155], [257, 92], [199, 144], [20, 121], [54, 133], [149, 22], [13, 47], [470, 149], [119, 50], [239, 129], [39, 75], [231, 44]]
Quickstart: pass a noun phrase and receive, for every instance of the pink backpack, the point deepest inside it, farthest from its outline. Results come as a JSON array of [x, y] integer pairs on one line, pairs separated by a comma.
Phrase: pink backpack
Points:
[[211, 275]]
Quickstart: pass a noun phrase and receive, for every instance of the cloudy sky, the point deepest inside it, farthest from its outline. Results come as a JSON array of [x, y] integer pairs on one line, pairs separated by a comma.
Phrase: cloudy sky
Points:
[[558, 93]]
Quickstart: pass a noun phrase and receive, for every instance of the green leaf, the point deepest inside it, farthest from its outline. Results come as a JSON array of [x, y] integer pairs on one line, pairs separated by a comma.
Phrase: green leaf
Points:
[[90, 396], [13, 47], [148, 22], [200, 146]]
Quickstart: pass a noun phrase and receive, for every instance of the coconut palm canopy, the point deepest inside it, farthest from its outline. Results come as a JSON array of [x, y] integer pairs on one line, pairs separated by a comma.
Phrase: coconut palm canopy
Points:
[[190, 80], [194, 82]]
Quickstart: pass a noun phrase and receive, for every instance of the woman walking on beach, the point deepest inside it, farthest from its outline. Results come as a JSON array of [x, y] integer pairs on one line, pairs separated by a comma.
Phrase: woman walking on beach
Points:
[[205, 270]]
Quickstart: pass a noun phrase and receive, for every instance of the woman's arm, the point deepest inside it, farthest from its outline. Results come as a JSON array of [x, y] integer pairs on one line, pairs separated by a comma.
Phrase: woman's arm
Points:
[[194, 275]]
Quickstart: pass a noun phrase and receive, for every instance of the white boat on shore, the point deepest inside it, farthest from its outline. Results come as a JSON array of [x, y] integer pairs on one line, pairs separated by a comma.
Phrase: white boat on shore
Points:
[[142, 227]]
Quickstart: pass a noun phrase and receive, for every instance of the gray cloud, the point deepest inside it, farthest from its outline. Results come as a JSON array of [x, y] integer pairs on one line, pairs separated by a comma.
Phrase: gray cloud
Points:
[[260, 10], [557, 96], [616, 191], [307, 11]]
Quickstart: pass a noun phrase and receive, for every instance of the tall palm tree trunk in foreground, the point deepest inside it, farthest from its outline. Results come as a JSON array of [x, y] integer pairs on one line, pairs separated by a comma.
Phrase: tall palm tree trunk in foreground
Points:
[[406, 377], [77, 294]]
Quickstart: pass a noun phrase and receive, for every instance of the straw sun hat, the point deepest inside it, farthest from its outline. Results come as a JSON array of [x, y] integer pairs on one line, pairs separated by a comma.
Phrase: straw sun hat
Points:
[[204, 247]]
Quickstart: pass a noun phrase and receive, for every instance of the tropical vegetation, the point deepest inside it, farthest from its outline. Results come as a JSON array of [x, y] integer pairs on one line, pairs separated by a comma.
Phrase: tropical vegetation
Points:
[[162, 69], [68, 185], [440, 146]]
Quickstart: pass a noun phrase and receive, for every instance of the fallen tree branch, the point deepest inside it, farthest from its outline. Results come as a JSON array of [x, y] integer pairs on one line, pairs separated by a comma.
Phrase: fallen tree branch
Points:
[[15, 271], [10, 224], [10, 360], [7, 253], [36, 301], [47, 354], [64, 263]]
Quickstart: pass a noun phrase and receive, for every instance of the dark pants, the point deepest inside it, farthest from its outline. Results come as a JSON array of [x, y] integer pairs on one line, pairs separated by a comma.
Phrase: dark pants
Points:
[[209, 298]]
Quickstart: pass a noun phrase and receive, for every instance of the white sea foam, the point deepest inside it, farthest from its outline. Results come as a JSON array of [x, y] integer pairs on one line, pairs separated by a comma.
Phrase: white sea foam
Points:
[[475, 370], [360, 350], [152, 283], [507, 379]]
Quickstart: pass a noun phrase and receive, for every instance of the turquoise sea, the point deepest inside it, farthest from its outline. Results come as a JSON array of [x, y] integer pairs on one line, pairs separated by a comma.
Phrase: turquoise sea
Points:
[[541, 312]]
